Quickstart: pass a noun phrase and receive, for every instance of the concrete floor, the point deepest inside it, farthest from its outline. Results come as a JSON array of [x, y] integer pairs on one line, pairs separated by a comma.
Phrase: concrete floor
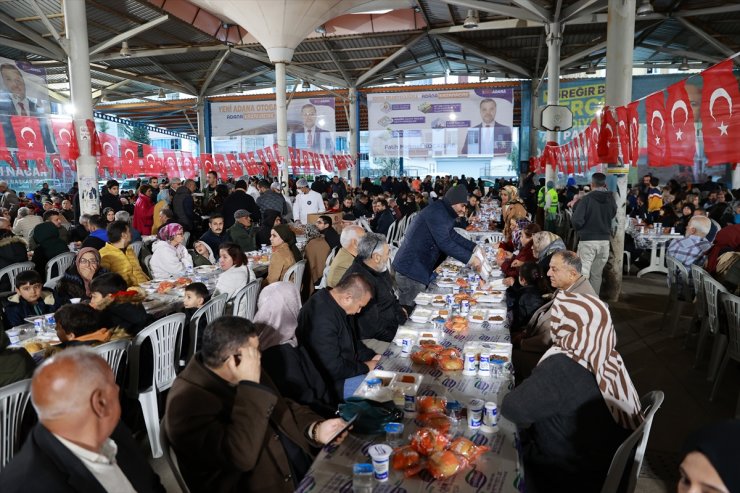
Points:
[[656, 362]]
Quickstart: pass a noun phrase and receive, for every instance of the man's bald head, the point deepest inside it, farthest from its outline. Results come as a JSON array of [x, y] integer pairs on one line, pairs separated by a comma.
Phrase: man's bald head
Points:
[[75, 396]]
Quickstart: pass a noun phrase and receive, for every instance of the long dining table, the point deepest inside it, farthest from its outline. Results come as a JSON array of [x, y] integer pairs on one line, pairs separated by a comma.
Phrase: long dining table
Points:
[[497, 470]]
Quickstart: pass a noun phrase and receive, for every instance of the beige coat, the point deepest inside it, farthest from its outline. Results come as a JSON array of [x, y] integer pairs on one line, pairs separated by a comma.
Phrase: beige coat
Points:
[[316, 252], [338, 267], [280, 261]]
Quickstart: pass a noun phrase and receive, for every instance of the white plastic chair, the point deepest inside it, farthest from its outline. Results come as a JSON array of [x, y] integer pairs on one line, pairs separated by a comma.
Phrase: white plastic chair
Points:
[[679, 291], [245, 300], [136, 247], [712, 289], [637, 441], [169, 454], [51, 284], [390, 236], [365, 225], [113, 352], [13, 401], [700, 309], [148, 265], [295, 274], [211, 310], [732, 310], [14, 269], [61, 262], [327, 266], [463, 233], [164, 335]]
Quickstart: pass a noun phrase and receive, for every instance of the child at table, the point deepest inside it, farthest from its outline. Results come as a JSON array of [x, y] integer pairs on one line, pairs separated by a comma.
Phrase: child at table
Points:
[[527, 298], [82, 325], [29, 300], [196, 295], [121, 306]]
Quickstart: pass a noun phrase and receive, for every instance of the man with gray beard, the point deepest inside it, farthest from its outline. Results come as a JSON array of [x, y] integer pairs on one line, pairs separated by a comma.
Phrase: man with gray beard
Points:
[[383, 314]]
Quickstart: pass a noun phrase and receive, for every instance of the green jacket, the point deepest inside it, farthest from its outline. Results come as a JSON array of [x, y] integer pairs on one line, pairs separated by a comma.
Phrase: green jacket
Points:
[[244, 237]]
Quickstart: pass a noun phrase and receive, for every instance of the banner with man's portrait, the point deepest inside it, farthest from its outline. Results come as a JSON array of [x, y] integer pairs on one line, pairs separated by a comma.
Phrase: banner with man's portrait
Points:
[[465, 122]]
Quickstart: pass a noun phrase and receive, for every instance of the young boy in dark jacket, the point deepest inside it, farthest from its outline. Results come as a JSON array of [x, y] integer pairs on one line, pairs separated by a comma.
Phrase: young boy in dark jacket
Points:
[[29, 300], [121, 306]]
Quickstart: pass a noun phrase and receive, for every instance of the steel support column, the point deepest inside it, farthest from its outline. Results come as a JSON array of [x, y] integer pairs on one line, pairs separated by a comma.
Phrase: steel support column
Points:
[[281, 114], [201, 106], [81, 92], [620, 38], [354, 135], [554, 40]]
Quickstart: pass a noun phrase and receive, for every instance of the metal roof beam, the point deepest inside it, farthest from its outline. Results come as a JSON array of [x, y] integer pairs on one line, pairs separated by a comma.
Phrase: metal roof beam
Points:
[[304, 73], [101, 57], [378, 67], [582, 7], [506, 64], [489, 25], [544, 14], [140, 78], [25, 47], [45, 20], [127, 35], [708, 38], [577, 57], [220, 87], [683, 53], [212, 71], [494, 8], [254, 55], [187, 85], [404, 69], [725, 9], [32, 35], [99, 92], [329, 52]]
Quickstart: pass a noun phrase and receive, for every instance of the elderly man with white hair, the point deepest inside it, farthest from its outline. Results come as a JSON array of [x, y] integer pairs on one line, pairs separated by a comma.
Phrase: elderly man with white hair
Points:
[[349, 239], [306, 202], [126, 217], [25, 222], [690, 250], [79, 443]]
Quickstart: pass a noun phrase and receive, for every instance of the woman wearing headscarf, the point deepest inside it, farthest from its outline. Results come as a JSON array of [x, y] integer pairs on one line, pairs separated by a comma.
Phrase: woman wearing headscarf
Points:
[[578, 405], [316, 252], [512, 208], [687, 212], [711, 459], [525, 253], [289, 366], [77, 278], [544, 245], [163, 201], [285, 253], [169, 255]]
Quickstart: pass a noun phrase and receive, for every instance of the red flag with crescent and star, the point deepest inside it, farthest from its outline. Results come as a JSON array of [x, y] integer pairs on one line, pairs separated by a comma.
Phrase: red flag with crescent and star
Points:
[[150, 160], [656, 130], [623, 132], [28, 136], [233, 165], [129, 156], [169, 158], [634, 127], [681, 134], [108, 151], [592, 138], [219, 164], [607, 147], [206, 162], [64, 135], [720, 114], [56, 162], [188, 164]]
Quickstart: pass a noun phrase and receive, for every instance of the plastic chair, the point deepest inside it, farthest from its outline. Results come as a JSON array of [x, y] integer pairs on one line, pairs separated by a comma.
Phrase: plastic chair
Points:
[[13, 401], [700, 310], [211, 310], [463, 233], [712, 288], [636, 442], [245, 300], [627, 262], [296, 272], [113, 352], [61, 262], [164, 335], [136, 247], [390, 235], [51, 284], [148, 265], [327, 266], [14, 269], [169, 454], [185, 237], [679, 290], [732, 310]]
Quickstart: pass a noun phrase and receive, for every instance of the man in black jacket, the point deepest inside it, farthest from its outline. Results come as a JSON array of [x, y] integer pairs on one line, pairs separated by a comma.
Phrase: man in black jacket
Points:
[[327, 330], [383, 314], [183, 207], [383, 219], [79, 444], [109, 197], [237, 200], [592, 219], [324, 223]]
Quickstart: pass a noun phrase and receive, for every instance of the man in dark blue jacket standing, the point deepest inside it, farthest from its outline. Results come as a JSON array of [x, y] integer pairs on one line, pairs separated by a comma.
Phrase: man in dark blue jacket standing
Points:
[[429, 236]]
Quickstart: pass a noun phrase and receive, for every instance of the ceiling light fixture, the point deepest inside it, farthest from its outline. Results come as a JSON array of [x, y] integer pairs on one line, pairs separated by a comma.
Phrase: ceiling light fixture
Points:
[[591, 69], [104, 96], [306, 85], [483, 74], [161, 94], [124, 49], [471, 21], [321, 29], [400, 79], [684, 64], [645, 8]]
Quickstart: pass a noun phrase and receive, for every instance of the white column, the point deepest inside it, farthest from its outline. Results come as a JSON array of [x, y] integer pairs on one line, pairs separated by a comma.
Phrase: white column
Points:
[[281, 114], [554, 40], [81, 91], [736, 177], [620, 39], [354, 135], [201, 106]]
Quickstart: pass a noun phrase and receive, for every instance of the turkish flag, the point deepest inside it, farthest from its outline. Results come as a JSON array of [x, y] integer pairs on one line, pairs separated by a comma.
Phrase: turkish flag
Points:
[[271, 161], [607, 147], [219, 165], [28, 135], [129, 156], [682, 134], [170, 163], [720, 114], [623, 132], [150, 160], [109, 150], [252, 165], [233, 165], [656, 127], [41, 166], [570, 169], [159, 166], [593, 142], [206, 162], [56, 162], [634, 126], [64, 134], [280, 159], [188, 165]]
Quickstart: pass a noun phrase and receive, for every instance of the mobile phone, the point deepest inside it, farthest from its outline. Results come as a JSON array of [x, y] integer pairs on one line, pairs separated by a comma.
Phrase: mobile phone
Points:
[[346, 428]]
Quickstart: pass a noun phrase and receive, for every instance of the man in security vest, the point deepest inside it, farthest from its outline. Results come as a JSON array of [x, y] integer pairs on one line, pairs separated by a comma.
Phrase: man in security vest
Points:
[[550, 206]]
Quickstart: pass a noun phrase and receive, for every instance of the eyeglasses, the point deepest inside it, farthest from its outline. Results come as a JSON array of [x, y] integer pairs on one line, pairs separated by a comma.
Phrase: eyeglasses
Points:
[[85, 261]]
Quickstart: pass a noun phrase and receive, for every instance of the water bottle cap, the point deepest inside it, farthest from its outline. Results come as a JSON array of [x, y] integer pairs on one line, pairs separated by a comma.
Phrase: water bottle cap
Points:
[[362, 469]]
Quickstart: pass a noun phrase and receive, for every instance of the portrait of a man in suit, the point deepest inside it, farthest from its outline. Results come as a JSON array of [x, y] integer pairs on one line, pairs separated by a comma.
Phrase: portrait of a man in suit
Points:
[[310, 136], [15, 101], [488, 137]]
